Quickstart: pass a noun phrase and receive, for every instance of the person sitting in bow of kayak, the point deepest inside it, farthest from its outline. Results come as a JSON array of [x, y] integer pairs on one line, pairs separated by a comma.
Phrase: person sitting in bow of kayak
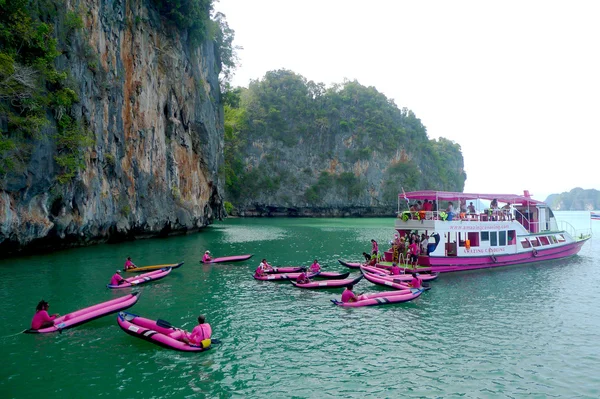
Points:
[[200, 333], [315, 267], [263, 268], [117, 279], [416, 281], [42, 319], [395, 269], [206, 258], [303, 278], [129, 264], [348, 295]]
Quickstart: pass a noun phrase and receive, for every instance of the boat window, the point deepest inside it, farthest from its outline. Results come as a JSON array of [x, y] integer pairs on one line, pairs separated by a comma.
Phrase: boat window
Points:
[[553, 239], [544, 240], [525, 243], [473, 237], [535, 242], [561, 238], [502, 237], [485, 236], [493, 238], [512, 237]]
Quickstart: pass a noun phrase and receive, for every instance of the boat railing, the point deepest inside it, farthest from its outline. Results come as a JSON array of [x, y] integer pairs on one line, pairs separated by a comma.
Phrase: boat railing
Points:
[[577, 234]]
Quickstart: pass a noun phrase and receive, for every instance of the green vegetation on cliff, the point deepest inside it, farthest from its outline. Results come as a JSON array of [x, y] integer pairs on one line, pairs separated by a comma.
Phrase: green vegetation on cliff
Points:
[[577, 199], [293, 142]]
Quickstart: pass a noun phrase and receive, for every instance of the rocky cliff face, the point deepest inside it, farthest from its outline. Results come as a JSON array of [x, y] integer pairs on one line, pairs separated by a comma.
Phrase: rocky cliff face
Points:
[[151, 103]]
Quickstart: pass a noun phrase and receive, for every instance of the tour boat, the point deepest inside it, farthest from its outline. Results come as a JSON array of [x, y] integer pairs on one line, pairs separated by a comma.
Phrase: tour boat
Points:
[[510, 230]]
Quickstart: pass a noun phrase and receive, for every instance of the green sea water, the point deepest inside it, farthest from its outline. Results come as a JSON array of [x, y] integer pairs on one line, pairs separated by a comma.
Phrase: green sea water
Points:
[[523, 331]]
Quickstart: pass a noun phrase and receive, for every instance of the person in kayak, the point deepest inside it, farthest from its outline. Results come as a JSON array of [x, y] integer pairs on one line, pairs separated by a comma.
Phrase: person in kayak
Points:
[[302, 278], [201, 332], [206, 258], [395, 269], [42, 319], [416, 281], [263, 268], [349, 296], [117, 279], [129, 264], [315, 267]]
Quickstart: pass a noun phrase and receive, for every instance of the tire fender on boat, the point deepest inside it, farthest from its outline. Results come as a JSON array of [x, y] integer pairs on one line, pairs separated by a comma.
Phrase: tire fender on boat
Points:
[[494, 259], [534, 252]]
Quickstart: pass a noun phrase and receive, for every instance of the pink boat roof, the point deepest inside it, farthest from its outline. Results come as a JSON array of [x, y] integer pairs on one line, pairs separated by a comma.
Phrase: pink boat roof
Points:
[[455, 196]]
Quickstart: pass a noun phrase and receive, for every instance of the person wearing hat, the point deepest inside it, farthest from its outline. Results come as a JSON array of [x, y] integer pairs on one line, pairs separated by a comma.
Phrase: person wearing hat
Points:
[[117, 279], [42, 319], [206, 258], [129, 264]]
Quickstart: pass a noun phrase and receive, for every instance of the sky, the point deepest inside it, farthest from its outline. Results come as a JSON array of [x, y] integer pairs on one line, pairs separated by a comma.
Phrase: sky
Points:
[[515, 83]]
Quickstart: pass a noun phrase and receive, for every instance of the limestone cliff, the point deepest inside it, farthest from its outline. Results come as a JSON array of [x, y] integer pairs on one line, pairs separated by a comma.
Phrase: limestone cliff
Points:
[[577, 199], [151, 103]]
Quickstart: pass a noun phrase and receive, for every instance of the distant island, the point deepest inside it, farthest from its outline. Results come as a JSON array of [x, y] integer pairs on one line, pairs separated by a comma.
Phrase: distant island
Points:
[[577, 199]]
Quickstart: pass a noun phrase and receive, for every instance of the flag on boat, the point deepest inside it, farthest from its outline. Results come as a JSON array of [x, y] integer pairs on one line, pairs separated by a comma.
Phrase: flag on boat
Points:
[[404, 195], [595, 215]]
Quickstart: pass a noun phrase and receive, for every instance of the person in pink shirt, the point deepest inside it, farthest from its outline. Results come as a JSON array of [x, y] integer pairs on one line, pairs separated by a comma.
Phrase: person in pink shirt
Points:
[[414, 250], [395, 269], [200, 333], [117, 279], [315, 267], [42, 319], [206, 258], [416, 281], [302, 278], [129, 264], [374, 248]]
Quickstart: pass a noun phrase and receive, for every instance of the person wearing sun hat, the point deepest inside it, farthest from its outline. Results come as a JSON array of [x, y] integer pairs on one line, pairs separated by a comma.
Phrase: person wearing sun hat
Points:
[[206, 258], [117, 279]]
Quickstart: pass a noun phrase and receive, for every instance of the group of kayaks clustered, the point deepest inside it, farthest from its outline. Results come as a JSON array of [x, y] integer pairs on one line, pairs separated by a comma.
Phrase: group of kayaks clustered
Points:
[[165, 334], [401, 287], [158, 331]]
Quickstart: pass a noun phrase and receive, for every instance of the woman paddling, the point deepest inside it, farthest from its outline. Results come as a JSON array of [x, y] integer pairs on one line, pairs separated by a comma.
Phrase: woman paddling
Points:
[[42, 319]]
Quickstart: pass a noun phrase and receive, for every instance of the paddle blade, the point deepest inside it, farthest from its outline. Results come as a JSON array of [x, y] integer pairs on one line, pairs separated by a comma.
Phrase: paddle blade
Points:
[[164, 323]]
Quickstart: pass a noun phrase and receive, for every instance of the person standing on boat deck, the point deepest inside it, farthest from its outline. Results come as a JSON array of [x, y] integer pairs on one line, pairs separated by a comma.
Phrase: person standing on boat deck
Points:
[[206, 258], [374, 248], [471, 208], [416, 281], [428, 208], [413, 249], [201, 332], [117, 279], [315, 267], [129, 264], [450, 210], [42, 319], [424, 243], [494, 209], [506, 214]]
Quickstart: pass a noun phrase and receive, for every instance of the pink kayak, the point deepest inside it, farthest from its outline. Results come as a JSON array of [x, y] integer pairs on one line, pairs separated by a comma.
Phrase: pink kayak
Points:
[[142, 278], [285, 269], [351, 265], [158, 332], [228, 259], [328, 283], [282, 276], [379, 280], [90, 313], [401, 277], [382, 298], [333, 275]]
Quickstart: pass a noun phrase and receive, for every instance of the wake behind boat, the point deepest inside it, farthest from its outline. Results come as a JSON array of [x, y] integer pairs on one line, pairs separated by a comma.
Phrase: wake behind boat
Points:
[[88, 314], [228, 259]]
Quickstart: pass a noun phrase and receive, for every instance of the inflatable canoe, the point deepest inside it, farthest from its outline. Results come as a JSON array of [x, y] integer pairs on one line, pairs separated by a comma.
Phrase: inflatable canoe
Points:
[[382, 298], [328, 283], [282, 276], [228, 259], [333, 275], [286, 269], [401, 277], [158, 332], [351, 265], [379, 280], [88, 314], [142, 278], [154, 267]]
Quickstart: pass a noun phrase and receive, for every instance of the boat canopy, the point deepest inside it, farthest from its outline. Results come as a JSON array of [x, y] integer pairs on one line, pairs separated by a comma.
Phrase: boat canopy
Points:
[[433, 195]]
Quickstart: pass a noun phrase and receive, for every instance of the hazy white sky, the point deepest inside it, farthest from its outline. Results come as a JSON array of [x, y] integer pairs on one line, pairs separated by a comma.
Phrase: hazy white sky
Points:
[[515, 83]]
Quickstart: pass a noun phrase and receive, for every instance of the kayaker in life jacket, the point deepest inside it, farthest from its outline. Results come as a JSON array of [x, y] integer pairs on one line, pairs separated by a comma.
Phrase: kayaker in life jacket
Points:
[[201, 332], [206, 258], [395, 269], [117, 279], [42, 319], [129, 264], [302, 278], [416, 281], [315, 267]]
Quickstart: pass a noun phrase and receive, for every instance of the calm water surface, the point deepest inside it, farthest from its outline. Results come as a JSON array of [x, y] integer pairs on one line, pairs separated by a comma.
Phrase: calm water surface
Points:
[[519, 331]]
